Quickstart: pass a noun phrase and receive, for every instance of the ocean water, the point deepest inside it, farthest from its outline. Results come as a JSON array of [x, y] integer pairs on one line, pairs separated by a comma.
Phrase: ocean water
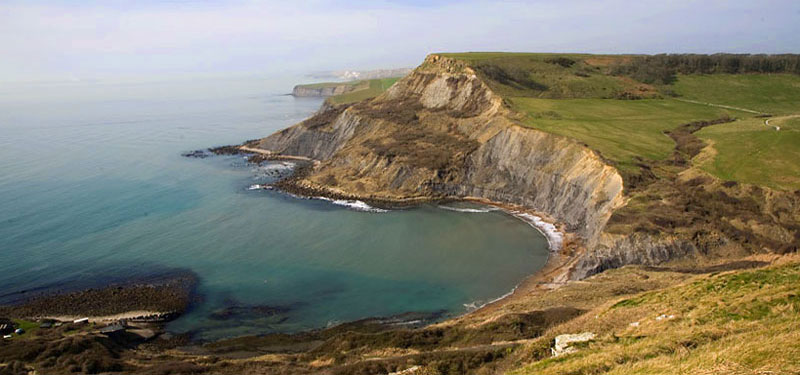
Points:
[[93, 190]]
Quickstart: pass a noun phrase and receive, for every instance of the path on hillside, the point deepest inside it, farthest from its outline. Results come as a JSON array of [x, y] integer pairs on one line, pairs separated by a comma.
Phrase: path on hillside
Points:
[[466, 349], [766, 122], [720, 106], [276, 156]]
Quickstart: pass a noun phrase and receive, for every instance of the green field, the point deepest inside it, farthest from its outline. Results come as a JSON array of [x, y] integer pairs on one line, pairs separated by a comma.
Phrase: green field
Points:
[[752, 152], [578, 96], [619, 129], [545, 75], [333, 84], [777, 94], [375, 88]]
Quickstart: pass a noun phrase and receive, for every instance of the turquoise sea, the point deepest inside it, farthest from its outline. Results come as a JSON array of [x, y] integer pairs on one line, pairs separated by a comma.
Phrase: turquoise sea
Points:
[[93, 190]]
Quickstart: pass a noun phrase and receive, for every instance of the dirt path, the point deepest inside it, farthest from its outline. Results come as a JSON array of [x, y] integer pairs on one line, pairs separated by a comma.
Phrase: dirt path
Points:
[[720, 106], [276, 156], [767, 121], [476, 348]]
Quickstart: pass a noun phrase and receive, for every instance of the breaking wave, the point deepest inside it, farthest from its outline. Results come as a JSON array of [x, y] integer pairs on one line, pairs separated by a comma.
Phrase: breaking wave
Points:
[[554, 237], [472, 306], [470, 210], [353, 204]]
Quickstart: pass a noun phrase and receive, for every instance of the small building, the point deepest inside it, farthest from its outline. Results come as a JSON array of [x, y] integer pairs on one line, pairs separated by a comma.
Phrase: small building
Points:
[[81, 321], [6, 336], [19, 331], [46, 325]]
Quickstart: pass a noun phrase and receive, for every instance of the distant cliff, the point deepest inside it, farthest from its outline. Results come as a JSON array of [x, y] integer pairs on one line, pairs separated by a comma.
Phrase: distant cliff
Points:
[[326, 89]]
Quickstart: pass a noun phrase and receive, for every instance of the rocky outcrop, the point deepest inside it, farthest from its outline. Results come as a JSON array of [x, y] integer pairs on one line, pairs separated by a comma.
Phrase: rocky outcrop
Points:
[[614, 251], [441, 132], [547, 173], [567, 343]]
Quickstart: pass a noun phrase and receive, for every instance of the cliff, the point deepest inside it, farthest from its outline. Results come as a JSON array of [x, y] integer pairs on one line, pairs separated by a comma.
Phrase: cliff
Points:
[[323, 90], [443, 133]]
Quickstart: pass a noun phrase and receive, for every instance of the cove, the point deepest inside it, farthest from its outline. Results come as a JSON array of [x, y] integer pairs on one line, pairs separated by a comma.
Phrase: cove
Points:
[[94, 190]]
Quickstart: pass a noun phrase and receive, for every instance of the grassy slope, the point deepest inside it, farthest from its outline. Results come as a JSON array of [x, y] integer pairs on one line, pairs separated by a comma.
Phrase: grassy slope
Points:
[[578, 102], [777, 94], [752, 152], [619, 129], [375, 88], [740, 322], [583, 79], [332, 84]]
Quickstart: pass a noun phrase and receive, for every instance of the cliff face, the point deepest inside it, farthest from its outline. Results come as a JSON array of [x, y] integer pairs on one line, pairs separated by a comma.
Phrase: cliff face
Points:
[[441, 132], [323, 91]]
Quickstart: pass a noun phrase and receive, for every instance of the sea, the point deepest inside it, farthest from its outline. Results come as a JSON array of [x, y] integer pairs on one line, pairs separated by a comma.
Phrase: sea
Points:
[[94, 191]]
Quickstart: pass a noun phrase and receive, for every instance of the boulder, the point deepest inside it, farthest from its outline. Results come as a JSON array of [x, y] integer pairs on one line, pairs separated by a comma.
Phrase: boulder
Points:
[[564, 343]]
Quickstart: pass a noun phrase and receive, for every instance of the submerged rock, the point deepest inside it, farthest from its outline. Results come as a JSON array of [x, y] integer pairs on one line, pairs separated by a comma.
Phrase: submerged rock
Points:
[[200, 154]]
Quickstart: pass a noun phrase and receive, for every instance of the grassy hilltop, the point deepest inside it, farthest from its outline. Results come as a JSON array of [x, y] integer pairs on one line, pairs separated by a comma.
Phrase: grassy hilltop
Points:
[[357, 90], [709, 151], [622, 108]]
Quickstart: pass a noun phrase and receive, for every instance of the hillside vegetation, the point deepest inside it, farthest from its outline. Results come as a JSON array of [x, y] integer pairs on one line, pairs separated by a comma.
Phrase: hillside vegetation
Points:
[[622, 106], [734, 323], [366, 90]]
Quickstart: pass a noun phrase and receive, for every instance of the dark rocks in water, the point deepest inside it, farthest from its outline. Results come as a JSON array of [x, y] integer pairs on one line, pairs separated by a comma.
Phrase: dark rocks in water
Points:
[[226, 150], [200, 154], [168, 295], [256, 311], [221, 150]]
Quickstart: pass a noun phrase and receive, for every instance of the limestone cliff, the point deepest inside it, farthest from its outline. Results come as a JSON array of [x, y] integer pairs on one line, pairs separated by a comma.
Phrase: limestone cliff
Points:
[[442, 133]]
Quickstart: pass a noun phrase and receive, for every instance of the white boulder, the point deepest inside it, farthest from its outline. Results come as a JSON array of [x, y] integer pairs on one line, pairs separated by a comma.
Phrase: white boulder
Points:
[[564, 343]]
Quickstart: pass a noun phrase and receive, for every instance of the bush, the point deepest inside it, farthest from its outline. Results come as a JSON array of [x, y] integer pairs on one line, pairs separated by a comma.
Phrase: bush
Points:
[[510, 76]]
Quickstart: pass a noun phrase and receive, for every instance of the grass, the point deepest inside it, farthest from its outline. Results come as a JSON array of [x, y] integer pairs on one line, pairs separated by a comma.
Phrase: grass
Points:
[[737, 322], [576, 95], [375, 88], [749, 151], [619, 129], [27, 326], [333, 84], [556, 76], [777, 94]]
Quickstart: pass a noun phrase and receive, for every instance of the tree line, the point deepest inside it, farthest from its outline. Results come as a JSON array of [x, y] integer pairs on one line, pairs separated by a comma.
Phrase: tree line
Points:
[[663, 68]]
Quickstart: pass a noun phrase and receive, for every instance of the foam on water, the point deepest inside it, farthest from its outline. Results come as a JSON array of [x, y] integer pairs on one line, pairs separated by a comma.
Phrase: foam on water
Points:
[[554, 237], [470, 210], [474, 305], [353, 204]]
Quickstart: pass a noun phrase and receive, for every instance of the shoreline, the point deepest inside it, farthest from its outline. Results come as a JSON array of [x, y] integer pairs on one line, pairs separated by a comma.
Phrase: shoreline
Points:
[[549, 275], [554, 273], [158, 301]]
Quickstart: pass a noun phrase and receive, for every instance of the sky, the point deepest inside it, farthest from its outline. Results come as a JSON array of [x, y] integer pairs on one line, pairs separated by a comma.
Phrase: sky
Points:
[[86, 39]]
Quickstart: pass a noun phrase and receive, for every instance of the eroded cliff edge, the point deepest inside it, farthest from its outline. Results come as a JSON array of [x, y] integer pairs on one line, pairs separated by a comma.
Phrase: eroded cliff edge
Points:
[[442, 133]]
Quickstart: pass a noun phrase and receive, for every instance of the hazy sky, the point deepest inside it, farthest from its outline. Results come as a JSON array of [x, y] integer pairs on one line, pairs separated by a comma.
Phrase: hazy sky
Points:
[[61, 39]]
